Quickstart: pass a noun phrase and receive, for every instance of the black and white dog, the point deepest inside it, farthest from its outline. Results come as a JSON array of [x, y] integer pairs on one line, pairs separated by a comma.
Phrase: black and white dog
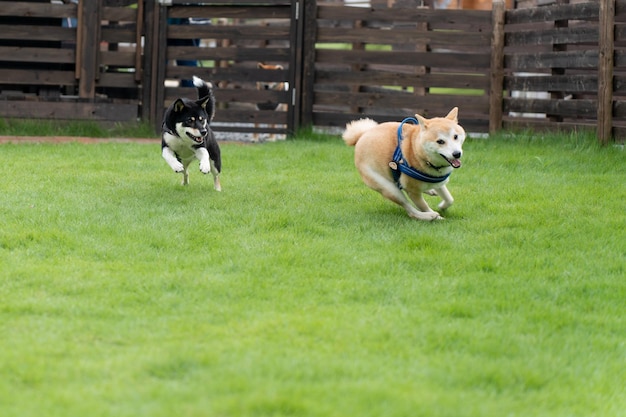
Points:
[[187, 135]]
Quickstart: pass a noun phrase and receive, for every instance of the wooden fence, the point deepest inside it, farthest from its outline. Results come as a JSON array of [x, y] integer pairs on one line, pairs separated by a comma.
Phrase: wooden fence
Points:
[[388, 63], [559, 64], [225, 42], [70, 61], [554, 67]]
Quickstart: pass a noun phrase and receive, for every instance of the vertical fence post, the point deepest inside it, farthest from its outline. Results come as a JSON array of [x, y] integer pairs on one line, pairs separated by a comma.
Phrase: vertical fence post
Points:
[[88, 40], [138, 46], [295, 65], [497, 66], [155, 56], [309, 22], [605, 71]]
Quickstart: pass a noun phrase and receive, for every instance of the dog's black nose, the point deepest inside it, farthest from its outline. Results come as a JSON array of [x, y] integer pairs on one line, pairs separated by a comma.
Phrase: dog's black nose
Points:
[[457, 154], [203, 132]]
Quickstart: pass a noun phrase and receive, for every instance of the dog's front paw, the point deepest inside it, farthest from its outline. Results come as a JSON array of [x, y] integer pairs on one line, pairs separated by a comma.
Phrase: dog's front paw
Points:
[[433, 216], [205, 167], [430, 216], [443, 205], [177, 167]]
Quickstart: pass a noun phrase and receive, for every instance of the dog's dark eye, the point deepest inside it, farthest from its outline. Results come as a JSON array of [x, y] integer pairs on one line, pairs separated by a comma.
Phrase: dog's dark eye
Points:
[[441, 142], [456, 137]]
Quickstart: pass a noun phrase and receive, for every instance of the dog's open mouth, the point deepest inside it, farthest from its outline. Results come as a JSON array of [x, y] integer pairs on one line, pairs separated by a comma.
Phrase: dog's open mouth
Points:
[[454, 163], [197, 139]]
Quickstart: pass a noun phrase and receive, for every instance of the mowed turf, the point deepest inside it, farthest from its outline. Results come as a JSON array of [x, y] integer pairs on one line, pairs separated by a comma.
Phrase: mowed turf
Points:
[[297, 291]]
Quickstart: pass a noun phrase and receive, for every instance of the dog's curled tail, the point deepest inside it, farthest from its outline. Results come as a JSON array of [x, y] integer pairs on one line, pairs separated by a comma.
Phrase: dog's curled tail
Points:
[[204, 88], [354, 130]]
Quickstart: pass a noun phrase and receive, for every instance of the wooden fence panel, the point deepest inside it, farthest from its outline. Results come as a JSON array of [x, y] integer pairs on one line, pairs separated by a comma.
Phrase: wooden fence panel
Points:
[[69, 61], [224, 42], [120, 59], [36, 51], [551, 63], [120, 52], [389, 63]]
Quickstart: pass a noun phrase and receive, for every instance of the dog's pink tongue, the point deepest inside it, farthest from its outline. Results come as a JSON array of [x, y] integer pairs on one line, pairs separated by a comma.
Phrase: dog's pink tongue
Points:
[[456, 163]]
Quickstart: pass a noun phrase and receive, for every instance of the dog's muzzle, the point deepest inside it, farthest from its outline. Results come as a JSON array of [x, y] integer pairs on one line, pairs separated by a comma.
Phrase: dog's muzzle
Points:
[[455, 162], [197, 139]]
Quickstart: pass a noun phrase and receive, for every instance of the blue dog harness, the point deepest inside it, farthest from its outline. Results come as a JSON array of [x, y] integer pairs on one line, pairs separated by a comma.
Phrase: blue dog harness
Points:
[[399, 166]]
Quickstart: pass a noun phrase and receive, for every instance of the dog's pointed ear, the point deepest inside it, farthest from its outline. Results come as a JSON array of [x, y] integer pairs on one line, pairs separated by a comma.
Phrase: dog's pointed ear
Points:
[[422, 121], [453, 114], [178, 106], [207, 104], [203, 101]]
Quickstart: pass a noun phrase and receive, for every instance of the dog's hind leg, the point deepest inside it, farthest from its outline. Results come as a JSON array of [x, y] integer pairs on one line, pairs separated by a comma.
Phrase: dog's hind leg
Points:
[[216, 177], [390, 191]]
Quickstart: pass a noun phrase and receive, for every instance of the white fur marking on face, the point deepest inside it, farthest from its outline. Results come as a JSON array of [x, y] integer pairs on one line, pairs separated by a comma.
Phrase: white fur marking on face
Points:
[[183, 130]]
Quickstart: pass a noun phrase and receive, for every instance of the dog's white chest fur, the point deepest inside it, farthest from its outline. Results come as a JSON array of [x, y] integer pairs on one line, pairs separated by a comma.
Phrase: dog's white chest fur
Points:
[[180, 146]]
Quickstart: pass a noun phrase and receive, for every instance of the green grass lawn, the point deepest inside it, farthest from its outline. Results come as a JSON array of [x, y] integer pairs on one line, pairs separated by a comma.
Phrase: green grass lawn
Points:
[[297, 291], [85, 128]]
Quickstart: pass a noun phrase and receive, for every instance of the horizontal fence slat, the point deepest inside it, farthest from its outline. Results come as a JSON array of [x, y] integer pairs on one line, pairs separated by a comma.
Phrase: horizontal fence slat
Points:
[[231, 2], [429, 59], [233, 74], [552, 36], [238, 54], [119, 34], [228, 32], [25, 55], [567, 59], [118, 80], [37, 77], [25, 9], [590, 10], [569, 83], [402, 36], [389, 78], [413, 15], [226, 95], [38, 33], [340, 119], [567, 108], [398, 100], [228, 12], [125, 59], [117, 14], [546, 125], [69, 110]]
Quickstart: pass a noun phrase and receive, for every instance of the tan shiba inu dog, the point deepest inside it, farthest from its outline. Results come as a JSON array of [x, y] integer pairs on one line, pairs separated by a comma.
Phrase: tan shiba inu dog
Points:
[[417, 157]]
